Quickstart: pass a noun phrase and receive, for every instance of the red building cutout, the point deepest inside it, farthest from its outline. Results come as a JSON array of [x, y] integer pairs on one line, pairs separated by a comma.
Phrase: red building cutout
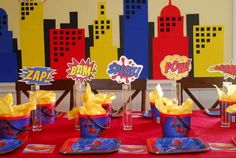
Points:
[[65, 44], [170, 39]]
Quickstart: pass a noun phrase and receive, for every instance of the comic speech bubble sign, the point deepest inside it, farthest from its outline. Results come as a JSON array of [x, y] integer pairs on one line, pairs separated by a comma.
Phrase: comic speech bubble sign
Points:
[[229, 70], [37, 75], [124, 71], [81, 71], [175, 67]]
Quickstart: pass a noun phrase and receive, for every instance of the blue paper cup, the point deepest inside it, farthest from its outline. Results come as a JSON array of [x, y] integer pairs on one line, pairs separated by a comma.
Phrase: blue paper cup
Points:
[[107, 107], [175, 125], [93, 125], [46, 113], [14, 127], [155, 113]]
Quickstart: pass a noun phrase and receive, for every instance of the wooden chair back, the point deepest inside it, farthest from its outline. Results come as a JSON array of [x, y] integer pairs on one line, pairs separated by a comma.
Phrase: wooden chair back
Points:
[[58, 85], [138, 86]]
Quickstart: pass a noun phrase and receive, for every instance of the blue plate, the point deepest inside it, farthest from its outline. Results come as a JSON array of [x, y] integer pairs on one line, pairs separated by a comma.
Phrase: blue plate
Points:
[[170, 145], [90, 146], [9, 145]]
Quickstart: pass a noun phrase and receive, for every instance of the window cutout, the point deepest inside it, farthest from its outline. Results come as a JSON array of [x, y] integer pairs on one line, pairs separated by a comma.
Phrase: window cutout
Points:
[[208, 40], [198, 51]]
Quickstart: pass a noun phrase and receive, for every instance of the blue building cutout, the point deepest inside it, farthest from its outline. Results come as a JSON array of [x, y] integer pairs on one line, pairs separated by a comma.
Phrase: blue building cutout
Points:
[[136, 33], [8, 58]]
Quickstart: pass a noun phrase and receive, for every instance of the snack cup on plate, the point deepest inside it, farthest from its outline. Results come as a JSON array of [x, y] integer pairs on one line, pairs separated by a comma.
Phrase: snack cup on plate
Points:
[[14, 127], [175, 125], [93, 125]]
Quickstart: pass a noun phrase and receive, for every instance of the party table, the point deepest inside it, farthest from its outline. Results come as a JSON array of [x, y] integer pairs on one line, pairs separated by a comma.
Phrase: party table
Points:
[[204, 127]]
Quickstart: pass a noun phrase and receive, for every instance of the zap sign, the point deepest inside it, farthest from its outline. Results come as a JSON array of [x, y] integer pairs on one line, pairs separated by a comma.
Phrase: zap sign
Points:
[[229, 70], [125, 70], [37, 75], [81, 71], [175, 67]]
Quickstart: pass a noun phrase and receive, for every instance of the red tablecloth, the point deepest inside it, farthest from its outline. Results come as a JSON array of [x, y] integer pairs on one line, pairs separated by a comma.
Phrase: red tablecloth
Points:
[[204, 127]]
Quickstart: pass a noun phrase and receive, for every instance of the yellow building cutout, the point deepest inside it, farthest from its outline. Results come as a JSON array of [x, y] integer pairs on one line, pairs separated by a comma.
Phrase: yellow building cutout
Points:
[[208, 49], [31, 33], [103, 52]]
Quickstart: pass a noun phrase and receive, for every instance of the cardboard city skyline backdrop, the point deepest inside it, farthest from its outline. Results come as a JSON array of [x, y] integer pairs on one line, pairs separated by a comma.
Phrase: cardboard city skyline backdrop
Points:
[[42, 43]]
